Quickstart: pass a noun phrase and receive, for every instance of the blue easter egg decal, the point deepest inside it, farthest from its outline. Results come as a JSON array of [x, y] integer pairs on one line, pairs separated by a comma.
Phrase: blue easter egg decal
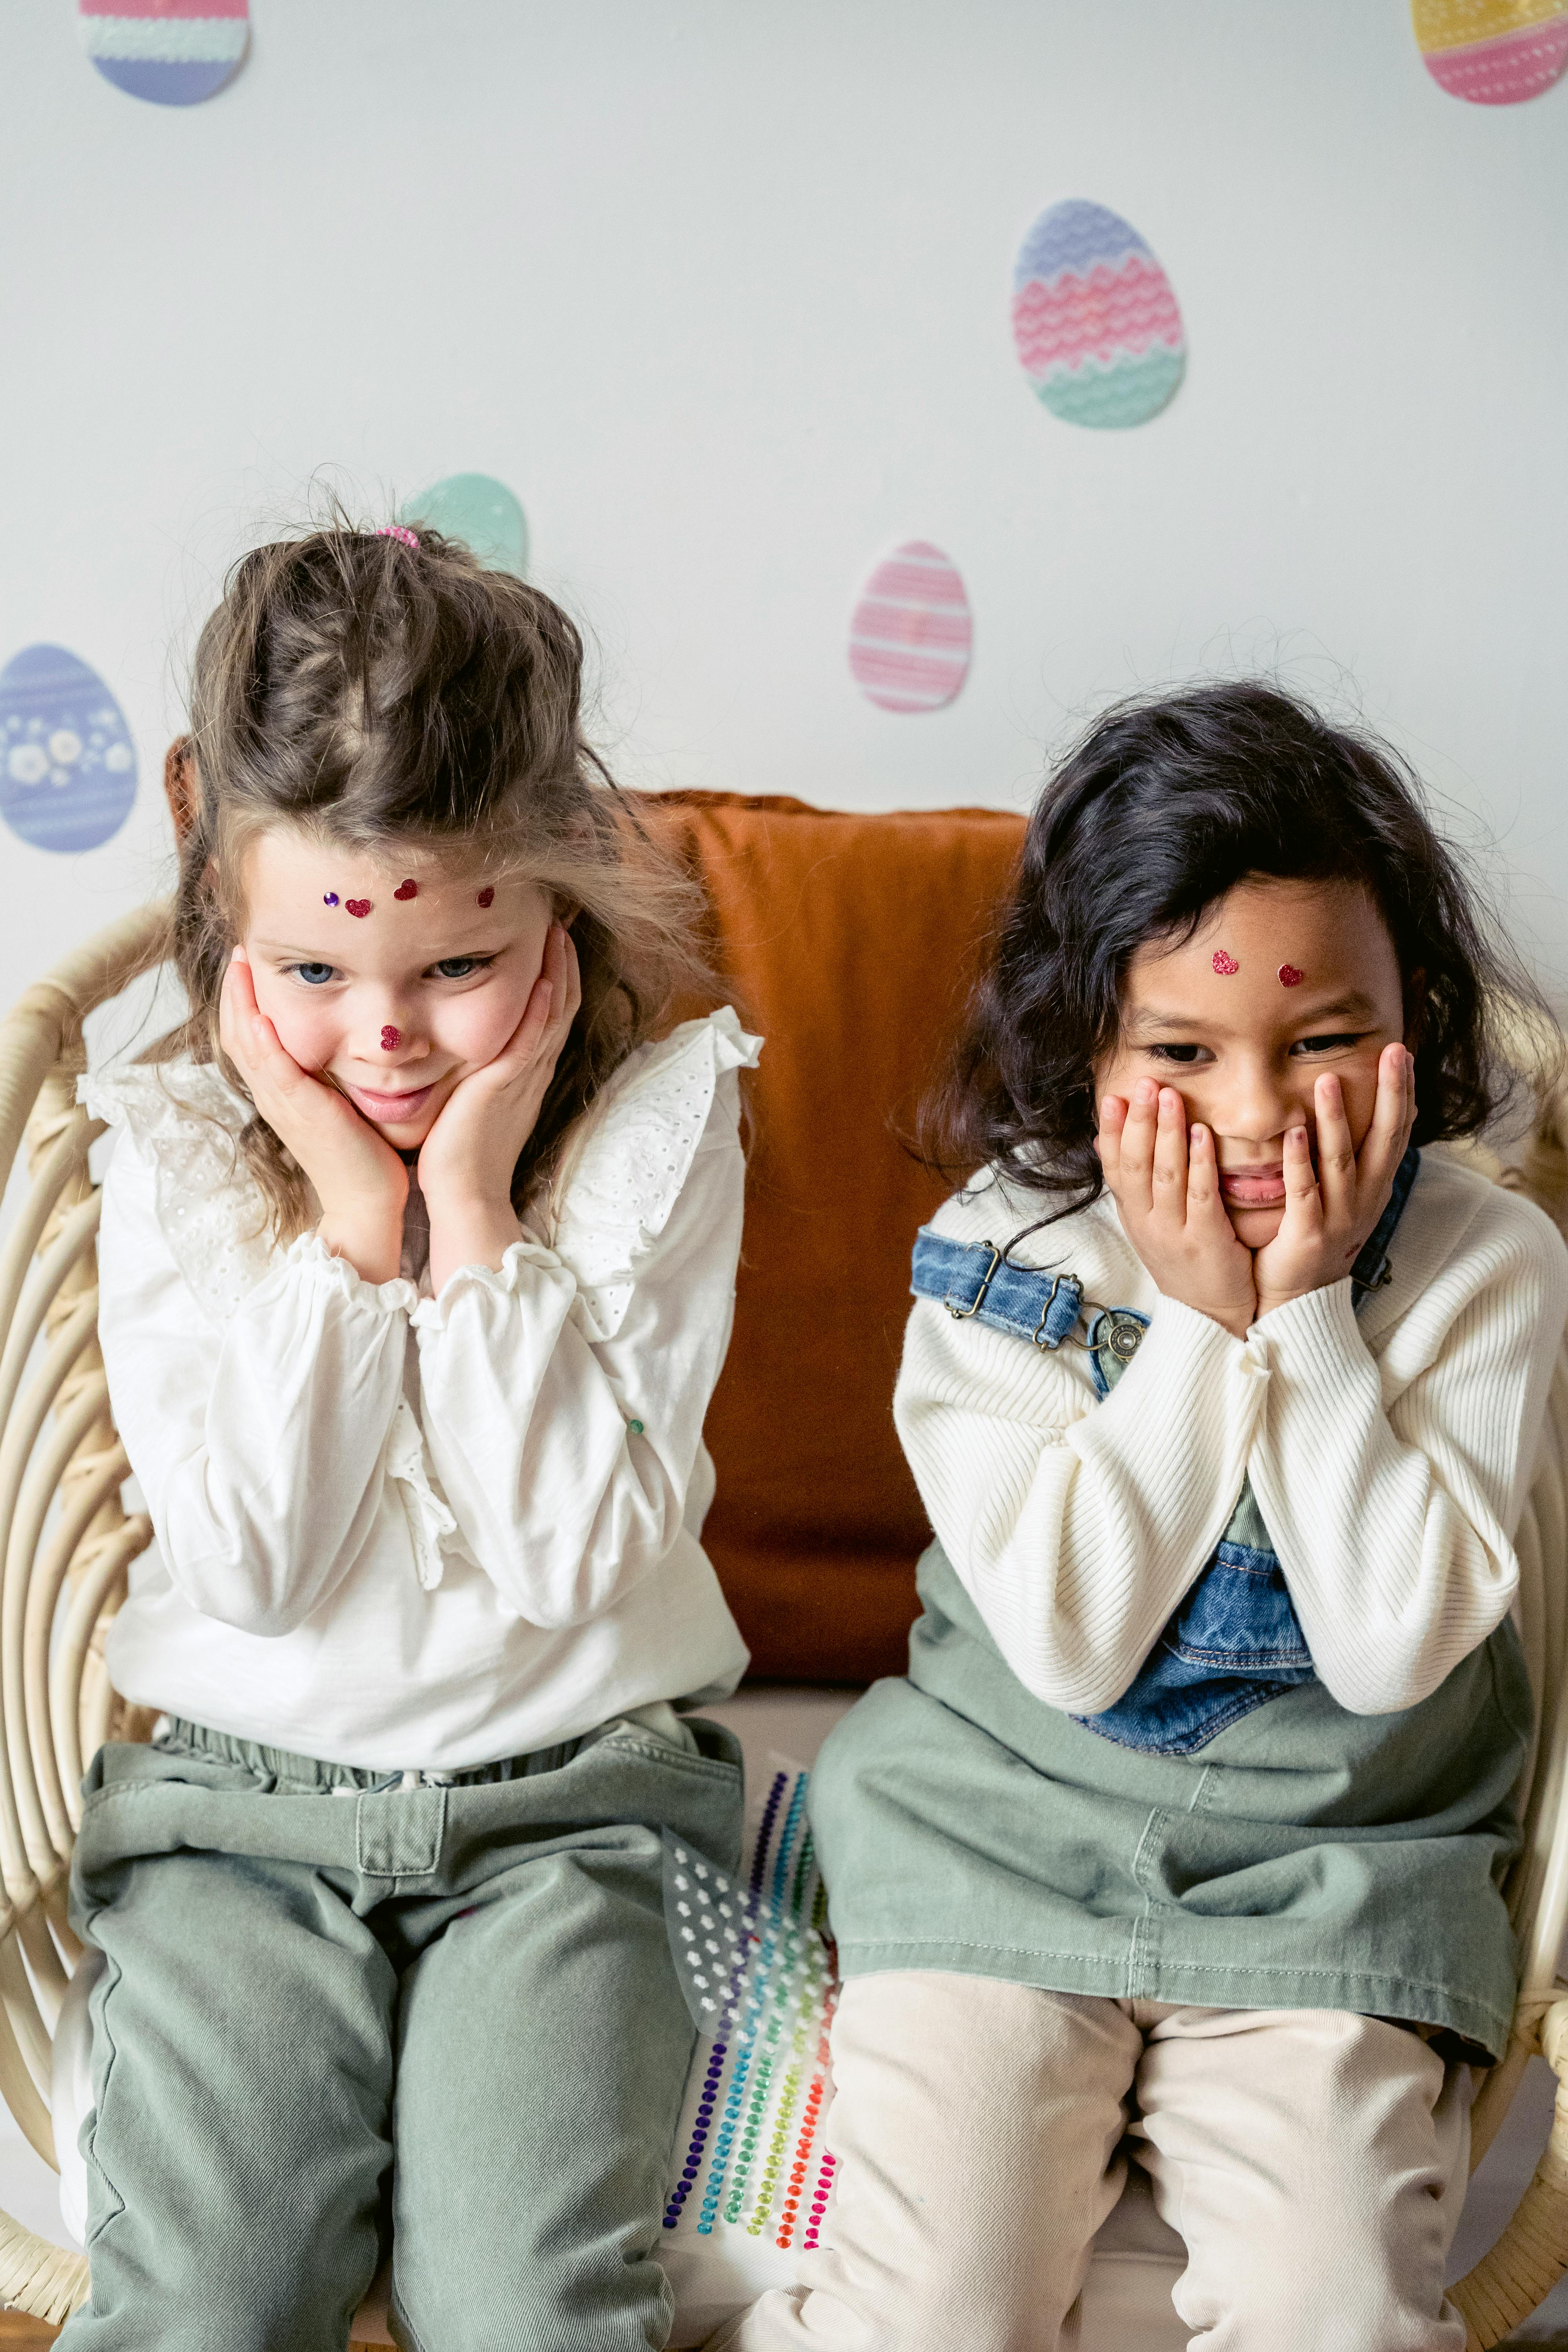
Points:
[[173, 52], [67, 766], [480, 511]]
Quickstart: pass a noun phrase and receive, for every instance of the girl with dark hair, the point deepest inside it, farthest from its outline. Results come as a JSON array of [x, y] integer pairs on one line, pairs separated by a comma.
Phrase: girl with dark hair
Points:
[[417, 1267], [1182, 1839]]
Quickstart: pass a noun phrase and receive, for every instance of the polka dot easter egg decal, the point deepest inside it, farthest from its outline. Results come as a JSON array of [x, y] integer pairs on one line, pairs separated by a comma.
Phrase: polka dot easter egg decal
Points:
[[911, 634], [1492, 52], [173, 52], [68, 767], [480, 511], [1094, 318]]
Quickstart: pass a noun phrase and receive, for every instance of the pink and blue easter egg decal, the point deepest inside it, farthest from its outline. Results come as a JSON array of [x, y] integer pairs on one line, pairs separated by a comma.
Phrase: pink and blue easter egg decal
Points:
[[480, 511], [173, 52], [1094, 318], [1492, 52], [67, 766], [912, 633]]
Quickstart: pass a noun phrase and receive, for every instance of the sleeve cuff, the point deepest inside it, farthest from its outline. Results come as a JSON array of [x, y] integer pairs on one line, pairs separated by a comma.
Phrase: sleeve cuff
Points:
[[1314, 1337], [318, 1265], [464, 1281]]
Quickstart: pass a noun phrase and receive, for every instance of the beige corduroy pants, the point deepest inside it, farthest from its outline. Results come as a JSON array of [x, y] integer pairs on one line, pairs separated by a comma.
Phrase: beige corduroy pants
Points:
[[1313, 2161]]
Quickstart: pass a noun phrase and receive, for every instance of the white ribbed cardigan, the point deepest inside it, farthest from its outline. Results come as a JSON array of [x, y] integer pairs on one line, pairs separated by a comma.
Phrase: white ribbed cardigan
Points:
[[1389, 1453]]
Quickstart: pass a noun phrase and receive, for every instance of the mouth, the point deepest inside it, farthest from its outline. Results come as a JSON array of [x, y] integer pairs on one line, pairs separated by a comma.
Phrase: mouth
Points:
[[389, 1111], [1261, 1187]]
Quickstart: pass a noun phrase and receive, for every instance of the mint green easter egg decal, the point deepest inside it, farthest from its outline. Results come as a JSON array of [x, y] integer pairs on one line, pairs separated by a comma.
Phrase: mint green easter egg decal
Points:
[[481, 512]]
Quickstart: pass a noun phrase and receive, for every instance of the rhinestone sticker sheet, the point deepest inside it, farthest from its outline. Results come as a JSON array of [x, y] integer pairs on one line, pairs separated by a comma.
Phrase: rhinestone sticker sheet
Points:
[[759, 1976]]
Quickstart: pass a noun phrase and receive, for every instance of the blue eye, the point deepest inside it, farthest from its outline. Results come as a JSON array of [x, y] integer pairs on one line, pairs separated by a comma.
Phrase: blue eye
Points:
[[314, 975], [460, 967]]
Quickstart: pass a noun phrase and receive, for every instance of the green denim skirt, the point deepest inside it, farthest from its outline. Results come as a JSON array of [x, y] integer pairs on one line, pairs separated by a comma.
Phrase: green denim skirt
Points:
[[1305, 1858]]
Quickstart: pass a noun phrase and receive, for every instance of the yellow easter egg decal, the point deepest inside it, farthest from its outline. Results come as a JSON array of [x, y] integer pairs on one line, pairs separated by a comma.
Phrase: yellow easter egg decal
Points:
[[1492, 52]]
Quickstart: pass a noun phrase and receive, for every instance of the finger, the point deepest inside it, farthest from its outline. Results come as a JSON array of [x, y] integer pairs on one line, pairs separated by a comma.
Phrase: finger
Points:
[[1203, 1176], [524, 1044], [1170, 1171], [1336, 1149], [1108, 1141], [574, 972], [1138, 1142], [1394, 1115], [1303, 1201], [237, 1012]]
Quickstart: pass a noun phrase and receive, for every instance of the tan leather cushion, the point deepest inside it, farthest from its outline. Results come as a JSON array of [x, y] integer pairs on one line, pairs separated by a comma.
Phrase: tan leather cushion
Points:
[[850, 940]]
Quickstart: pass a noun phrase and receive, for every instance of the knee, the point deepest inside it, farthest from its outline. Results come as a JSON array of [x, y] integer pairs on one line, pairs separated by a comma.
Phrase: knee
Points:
[[547, 2302], [1329, 2284]]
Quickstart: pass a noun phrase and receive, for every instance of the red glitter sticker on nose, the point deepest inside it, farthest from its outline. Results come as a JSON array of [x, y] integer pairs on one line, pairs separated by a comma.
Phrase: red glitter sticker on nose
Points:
[[406, 890], [358, 905], [487, 895], [1289, 977], [391, 1039], [1224, 964]]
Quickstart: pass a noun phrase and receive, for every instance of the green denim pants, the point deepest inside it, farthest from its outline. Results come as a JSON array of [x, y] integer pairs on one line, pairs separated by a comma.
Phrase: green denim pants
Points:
[[340, 2004]]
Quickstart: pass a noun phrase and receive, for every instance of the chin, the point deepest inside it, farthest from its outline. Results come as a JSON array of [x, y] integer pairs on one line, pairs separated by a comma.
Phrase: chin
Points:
[[1255, 1228]]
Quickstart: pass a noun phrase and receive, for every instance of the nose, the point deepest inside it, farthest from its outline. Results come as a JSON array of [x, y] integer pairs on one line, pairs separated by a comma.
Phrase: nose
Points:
[[394, 1028], [1258, 1105]]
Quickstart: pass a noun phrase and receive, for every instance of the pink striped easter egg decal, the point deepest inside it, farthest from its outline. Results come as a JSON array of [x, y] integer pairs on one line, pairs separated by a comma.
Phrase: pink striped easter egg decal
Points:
[[912, 633]]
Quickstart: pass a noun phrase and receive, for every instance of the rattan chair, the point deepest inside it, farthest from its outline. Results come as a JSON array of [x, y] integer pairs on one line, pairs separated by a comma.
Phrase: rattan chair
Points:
[[63, 1531]]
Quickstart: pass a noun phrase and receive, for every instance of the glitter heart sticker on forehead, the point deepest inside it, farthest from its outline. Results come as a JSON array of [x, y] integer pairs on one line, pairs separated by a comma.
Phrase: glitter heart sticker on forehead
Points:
[[358, 905], [1289, 977], [1226, 965]]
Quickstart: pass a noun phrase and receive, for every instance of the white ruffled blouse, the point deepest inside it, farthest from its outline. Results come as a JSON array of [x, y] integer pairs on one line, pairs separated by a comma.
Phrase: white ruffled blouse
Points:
[[406, 1532]]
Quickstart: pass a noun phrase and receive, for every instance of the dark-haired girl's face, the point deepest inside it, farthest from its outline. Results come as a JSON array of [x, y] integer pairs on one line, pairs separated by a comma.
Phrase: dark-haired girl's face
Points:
[[1281, 982]]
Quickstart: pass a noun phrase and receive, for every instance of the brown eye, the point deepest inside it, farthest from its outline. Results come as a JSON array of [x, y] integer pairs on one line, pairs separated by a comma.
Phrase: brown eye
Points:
[[1325, 1045]]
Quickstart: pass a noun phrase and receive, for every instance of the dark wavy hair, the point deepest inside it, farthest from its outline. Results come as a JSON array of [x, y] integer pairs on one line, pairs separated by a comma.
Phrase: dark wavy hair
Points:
[[1161, 808]]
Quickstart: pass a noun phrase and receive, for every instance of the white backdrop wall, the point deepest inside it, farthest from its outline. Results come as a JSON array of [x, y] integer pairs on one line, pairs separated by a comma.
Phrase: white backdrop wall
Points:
[[721, 289]]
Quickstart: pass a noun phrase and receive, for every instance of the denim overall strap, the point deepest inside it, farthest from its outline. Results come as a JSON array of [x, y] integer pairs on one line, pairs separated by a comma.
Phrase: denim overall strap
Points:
[[1234, 1642], [976, 1280]]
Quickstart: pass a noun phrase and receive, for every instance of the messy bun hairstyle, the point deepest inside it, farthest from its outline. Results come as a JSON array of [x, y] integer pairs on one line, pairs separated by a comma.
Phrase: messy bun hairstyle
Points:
[[388, 694]]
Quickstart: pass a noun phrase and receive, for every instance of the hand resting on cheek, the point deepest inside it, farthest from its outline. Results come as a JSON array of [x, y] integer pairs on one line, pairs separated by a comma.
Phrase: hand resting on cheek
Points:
[[1254, 1111], [1164, 1180], [467, 1159]]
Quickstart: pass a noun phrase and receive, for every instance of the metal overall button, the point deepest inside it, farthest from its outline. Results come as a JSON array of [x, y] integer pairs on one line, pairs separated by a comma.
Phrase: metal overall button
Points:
[[1123, 1334]]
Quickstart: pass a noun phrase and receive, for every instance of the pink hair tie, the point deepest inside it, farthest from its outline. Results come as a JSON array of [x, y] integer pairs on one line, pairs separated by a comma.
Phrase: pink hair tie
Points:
[[397, 531]]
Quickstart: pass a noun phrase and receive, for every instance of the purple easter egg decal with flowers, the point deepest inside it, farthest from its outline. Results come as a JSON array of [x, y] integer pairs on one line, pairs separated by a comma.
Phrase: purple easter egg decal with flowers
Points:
[[1094, 318], [67, 766], [170, 52]]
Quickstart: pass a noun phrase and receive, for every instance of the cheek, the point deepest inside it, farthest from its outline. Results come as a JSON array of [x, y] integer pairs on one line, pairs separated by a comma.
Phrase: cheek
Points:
[[308, 1028], [474, 1029]]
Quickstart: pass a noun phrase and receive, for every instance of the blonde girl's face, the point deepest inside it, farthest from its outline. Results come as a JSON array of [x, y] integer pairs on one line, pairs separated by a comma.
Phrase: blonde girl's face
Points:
[[396, 1000], [1281, 982]]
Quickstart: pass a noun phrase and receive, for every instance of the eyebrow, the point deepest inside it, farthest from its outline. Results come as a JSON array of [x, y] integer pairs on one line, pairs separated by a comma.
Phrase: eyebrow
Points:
[[314, 954], [1353, 1005]]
